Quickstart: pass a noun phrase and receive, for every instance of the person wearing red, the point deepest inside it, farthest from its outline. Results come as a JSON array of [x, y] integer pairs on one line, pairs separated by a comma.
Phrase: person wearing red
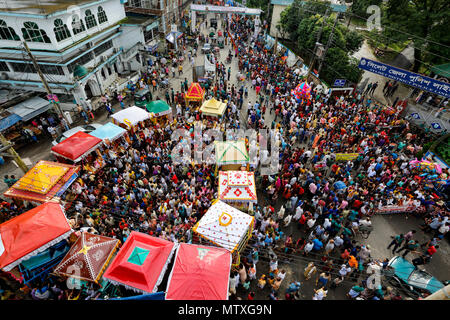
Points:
[[432, 250]]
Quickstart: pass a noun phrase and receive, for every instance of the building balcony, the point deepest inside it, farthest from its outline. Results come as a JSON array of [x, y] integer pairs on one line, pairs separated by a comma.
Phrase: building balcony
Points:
[[146, 11]]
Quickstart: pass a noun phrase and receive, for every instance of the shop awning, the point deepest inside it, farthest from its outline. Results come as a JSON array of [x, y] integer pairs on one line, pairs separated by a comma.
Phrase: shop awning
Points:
[[32, 232], [9, 121], [30, 108]]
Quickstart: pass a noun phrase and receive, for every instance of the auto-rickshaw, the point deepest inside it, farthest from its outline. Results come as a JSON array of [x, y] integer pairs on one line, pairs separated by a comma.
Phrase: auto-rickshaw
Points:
[[141, 98]]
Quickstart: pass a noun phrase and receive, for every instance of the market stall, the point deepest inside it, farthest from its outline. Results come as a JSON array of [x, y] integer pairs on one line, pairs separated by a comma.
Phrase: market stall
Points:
[[141, 263], [231, 155], [194, 95], [199, 273], [227, 227], [130, 117], [43, 182], [213, 108], [159, 111], [237, 188], [32, 232], [88, 257]]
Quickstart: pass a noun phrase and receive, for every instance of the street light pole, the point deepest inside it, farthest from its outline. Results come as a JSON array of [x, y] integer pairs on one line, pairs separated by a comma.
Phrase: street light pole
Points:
[[44, 81]]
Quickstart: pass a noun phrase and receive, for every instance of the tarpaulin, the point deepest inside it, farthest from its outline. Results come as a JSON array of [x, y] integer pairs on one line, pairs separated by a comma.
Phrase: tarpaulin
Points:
[[76, 146]]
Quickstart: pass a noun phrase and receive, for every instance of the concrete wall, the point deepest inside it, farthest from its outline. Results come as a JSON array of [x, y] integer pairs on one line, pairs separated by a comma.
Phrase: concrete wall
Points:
[[277, 9]]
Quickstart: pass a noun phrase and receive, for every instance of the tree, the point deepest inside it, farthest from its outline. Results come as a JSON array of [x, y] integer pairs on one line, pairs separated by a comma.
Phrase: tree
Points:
[[425, 22], [359, 7]]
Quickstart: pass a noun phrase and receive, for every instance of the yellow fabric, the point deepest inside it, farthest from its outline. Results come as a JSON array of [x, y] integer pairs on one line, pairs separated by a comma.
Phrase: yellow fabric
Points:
[[42, 177], [213, 107]]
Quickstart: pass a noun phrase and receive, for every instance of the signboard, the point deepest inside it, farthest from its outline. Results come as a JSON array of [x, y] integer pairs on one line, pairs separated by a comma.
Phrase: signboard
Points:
[[173, 28], [436, 125], [152, 26], [395, 209], [407, 77], [339, 82], [346, 156], [415, 115]]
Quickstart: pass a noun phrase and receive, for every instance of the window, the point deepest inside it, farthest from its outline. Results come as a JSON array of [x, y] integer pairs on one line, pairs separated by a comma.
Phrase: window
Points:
[[3, 66], [7, 33], [31, 32], [23, 67], [77, 25], [102, 48], [90, 19], [29, 68], [102, 18], [61, 30], [81, 61], [50, 69]]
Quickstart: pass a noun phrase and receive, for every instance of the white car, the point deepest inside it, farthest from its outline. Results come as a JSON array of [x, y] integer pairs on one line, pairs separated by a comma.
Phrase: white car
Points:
[[85, 128]]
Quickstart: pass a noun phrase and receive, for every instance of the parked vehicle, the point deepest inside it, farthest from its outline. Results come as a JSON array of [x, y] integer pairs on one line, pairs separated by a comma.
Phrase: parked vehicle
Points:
[[415, 282]]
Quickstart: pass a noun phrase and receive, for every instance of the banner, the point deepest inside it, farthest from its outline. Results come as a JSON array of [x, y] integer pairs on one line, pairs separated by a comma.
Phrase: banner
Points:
[[346, 156], [395, 209], [407, 77]]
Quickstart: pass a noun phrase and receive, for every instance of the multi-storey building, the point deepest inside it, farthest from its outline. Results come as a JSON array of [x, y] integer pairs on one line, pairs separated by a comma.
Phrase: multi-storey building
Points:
[[94, 38]]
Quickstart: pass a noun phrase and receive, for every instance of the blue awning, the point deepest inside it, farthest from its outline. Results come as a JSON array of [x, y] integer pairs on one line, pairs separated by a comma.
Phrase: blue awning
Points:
[[108, 131], [9, 121]]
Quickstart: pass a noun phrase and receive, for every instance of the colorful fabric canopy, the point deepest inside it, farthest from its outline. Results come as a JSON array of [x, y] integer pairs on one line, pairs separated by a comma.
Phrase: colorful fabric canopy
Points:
[[231, 152], [32, 232], [88, 257], [195, 92], [199, 273], [225, 226], [159, 108], [77, 146], [130, 116], [109, 131], [214, 108], [237, 186], [141, 263], [44, 181]]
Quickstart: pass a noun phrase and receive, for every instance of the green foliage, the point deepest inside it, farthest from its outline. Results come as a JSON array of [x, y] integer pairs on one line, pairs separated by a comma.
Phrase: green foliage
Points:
[[359, 7], [422, 21], [303, 25]]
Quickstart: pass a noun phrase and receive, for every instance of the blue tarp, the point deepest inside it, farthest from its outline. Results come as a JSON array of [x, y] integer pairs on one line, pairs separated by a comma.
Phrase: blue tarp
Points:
[[109, 131], [9, 121], [340, 185], [151, 296]]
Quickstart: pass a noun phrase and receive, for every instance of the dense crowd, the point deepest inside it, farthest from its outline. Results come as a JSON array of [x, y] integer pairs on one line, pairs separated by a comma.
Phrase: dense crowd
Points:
[[140, 188]]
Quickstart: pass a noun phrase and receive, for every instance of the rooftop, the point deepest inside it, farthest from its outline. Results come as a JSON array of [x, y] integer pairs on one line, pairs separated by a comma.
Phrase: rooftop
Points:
[[39, 6]]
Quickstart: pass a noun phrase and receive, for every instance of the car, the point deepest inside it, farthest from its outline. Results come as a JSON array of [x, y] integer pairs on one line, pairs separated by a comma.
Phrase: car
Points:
[[416, 283], [206, 48], [85, 128]]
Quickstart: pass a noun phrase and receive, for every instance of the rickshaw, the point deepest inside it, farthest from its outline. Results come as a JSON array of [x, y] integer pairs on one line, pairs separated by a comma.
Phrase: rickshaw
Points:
[[220, 42], [140, 98]]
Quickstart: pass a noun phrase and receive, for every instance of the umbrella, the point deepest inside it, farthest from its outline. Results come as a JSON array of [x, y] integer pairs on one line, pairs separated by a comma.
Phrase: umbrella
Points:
[[340, 185]]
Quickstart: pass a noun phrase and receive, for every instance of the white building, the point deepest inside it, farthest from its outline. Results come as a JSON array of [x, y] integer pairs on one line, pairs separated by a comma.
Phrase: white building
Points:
[[94, 34]]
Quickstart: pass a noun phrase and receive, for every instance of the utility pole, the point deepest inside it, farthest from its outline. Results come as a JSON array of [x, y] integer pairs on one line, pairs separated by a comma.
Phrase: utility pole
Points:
[[9, 147], [44, 81], [313, 59], [330, 38], [442, 294]]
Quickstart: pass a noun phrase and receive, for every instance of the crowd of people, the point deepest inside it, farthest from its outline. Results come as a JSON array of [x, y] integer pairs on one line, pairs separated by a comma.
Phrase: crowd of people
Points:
[[140, 188]]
